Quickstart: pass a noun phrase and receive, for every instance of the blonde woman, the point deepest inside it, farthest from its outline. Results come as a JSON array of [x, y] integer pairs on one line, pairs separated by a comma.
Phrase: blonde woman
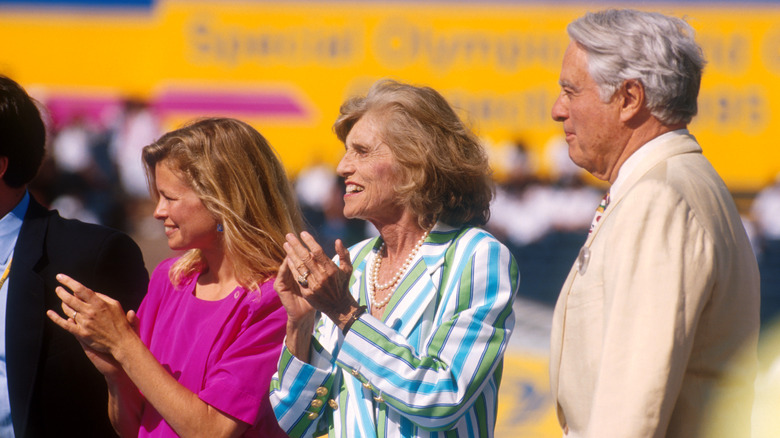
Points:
[[198, 357]]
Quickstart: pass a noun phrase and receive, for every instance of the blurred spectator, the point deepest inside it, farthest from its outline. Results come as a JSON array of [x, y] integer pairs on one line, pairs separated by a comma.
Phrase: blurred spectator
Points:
[[335, 225], [71, 207], [765, 212], [542, 221], [314, 185], [71, 147], [136, 128], [519, 212], [79, 179], [321, 195]]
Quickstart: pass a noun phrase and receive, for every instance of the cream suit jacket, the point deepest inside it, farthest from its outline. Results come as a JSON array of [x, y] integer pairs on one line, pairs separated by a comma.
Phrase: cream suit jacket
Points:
[[645, 329]]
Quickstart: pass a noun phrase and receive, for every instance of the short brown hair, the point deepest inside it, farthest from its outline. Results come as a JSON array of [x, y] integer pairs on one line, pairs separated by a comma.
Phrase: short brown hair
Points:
[[444, 169]]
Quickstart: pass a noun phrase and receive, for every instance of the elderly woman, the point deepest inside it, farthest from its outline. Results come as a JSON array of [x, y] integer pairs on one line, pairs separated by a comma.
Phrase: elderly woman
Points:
[[211, 326], [405, 336]]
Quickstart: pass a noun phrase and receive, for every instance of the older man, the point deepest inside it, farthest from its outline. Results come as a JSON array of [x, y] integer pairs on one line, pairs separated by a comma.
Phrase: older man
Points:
[[664, 293]]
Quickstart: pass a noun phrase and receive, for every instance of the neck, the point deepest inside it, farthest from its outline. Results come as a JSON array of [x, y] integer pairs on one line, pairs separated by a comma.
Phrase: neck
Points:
[[400, 237], [219, 270], [402, 241], [10, 198], [639, 137]]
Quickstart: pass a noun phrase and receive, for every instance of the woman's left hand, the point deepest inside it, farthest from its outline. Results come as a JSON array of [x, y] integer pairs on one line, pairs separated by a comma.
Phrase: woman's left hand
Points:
[[324, 284], [97, 321]]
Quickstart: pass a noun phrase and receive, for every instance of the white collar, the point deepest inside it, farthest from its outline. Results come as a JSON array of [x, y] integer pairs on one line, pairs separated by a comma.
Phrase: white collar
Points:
[[633, 161], [10, 226]]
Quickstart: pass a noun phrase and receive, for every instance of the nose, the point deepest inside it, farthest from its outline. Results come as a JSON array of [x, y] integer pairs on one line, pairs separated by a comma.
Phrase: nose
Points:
[[160, 211], [345, 166], [559, 112]]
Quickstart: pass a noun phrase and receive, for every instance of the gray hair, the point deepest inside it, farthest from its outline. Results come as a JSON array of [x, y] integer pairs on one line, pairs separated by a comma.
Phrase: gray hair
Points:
[[658, 50]]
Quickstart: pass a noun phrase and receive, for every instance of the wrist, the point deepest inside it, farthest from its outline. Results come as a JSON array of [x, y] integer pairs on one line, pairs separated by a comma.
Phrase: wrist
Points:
[[298, 338], [353, 316], [125, 348]]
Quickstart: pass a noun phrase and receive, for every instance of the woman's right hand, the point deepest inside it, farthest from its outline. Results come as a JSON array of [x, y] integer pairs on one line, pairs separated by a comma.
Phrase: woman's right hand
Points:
[[323, 288], [300, 314], [326, 283], [298, 308], [104, 362]]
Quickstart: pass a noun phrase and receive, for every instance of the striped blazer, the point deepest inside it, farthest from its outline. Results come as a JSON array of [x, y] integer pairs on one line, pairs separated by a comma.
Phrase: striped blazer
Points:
[[430, 368]]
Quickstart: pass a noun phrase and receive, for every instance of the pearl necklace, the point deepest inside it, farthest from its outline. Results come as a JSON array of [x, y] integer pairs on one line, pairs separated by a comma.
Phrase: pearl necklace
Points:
[[373, 273]]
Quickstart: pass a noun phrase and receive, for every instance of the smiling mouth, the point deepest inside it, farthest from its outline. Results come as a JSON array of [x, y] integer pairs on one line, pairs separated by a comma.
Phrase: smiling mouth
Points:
[[351, 188]]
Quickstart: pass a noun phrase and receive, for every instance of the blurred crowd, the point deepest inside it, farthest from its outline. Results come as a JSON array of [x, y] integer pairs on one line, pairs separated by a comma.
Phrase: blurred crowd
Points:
[[93, 172], [93, 169]]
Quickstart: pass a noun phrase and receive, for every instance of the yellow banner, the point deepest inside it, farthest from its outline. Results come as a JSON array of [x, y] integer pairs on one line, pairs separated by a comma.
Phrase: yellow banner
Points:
[[286, 67]]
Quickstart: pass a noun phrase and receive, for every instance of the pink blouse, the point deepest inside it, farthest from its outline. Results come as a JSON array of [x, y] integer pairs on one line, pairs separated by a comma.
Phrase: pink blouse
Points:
[[224, 351]]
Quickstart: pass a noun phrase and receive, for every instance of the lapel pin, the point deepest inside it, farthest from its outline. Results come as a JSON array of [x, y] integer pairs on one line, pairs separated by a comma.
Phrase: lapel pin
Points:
[[582, 260]]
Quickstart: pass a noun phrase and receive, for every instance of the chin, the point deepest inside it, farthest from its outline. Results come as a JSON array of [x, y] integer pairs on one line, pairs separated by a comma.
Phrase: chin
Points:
[[577, 159], [351, 214], [175, 246]]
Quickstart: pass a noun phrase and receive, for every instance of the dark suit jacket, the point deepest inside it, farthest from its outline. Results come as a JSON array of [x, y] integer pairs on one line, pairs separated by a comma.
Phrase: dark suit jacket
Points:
[[55, 391]]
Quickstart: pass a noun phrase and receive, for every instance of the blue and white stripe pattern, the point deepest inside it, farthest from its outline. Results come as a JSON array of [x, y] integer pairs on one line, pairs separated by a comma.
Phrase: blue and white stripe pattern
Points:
[[431, 368]]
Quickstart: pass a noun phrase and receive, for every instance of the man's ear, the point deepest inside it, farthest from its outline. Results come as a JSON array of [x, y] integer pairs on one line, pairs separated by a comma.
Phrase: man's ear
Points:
[[3, 166], [632, 93]]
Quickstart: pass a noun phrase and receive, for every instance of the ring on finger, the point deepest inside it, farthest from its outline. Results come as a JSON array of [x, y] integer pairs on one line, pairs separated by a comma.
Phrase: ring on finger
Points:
[[302, 279], [75, 314]]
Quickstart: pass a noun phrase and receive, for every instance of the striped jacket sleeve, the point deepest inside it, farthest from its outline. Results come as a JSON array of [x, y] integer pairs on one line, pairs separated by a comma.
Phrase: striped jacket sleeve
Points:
[[300, 391]]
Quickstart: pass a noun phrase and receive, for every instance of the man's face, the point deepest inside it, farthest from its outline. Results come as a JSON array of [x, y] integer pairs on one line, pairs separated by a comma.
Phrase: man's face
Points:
[[592, 127]]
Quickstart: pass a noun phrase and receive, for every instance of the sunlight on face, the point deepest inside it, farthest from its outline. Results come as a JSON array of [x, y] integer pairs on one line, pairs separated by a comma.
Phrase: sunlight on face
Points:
[[370, 173], [188, 224]]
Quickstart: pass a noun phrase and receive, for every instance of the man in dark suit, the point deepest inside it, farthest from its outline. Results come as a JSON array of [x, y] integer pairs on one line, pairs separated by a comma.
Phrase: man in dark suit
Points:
[[48, 387]]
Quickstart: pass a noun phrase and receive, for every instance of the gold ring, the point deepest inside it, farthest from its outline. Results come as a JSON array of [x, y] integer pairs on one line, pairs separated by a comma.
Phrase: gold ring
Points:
[[302, 279]]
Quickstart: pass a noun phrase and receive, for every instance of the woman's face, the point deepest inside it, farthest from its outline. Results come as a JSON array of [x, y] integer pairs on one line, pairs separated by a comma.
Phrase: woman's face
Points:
[[371, 173], [188, 224]]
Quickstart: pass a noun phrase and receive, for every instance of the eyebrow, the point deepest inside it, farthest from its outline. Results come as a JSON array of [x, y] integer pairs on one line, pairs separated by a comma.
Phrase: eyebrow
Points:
[[355, 145], [567, 84]]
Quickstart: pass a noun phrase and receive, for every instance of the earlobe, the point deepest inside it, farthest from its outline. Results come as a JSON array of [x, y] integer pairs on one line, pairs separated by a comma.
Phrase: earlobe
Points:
[[633, 94]]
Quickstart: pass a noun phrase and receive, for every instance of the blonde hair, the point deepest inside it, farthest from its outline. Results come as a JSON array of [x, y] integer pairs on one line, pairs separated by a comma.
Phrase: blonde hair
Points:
[[444, 169], [240, 180]]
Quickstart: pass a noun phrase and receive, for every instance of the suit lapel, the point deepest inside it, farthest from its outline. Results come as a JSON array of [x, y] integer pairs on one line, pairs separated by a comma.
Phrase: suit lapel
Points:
[[26, 313], [673, 145], [360, 260], [413, 305]]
